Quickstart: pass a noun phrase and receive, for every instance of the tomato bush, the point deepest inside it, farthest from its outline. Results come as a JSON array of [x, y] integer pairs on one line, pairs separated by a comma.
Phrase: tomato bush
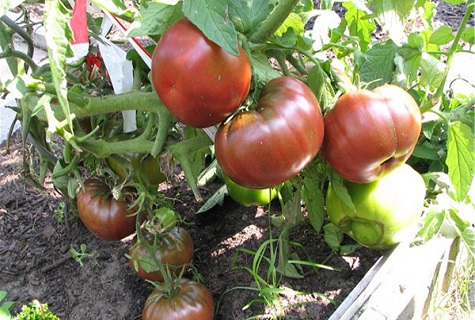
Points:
[[385, 210], [369, 133], [173, 249], [264, 147], [198, 81], [249, 197], [106, 217], [191, 301]]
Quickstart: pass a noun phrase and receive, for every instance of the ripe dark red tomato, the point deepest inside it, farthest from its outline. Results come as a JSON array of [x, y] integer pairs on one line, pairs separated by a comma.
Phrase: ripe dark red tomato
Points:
[[106, 217], [173, 249], [264, 147], [370, 133], [192, 301], [199, 82]]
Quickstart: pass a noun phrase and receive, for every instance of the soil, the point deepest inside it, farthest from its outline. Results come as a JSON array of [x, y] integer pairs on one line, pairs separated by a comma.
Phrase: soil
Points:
[[35, 242]]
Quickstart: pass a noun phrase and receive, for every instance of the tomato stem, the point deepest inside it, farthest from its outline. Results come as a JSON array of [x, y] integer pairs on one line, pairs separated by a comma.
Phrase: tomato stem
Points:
[[273, 21]]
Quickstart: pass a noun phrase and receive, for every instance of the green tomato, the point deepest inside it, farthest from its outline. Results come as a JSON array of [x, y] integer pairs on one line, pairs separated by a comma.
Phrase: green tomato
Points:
[[249, 197], [385, 210], [167, 217]]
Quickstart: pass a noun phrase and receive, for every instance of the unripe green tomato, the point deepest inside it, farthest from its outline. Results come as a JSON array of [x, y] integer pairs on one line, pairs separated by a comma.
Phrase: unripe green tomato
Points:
[[249, 197], [385, 210], [168, 218], [148, 165]]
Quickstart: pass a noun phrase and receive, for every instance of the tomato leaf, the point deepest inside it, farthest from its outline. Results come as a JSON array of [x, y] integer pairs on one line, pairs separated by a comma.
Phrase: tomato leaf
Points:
[[468, 237], [341, 190], [155, 18], [460, 158], [116, 7], [319, 83], [216, 199], [262, 71], [210, 16], [57, 35], [442, 35], [468, 35], [246, 15], [313, 197], [433, 221], [293, 21], [379, 65], [333, 236], [455, 2], [391, 15], [432, 71], [358, 25]]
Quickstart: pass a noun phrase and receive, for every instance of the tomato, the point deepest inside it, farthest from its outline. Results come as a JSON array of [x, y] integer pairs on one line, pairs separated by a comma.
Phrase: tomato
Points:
[[264, 147], [369, 133], [173, 248], [106, 217], [146, 164], [192, 301], [249, 197], [385, 210], [199, 82]]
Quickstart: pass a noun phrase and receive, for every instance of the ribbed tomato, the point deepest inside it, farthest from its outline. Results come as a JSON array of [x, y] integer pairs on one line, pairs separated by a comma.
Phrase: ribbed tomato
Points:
[[264, 147], [191, 301], [106, 217], [370, 133]]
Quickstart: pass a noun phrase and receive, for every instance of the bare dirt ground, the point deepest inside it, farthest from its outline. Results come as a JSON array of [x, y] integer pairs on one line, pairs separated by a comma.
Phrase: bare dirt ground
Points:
[[36, 262]]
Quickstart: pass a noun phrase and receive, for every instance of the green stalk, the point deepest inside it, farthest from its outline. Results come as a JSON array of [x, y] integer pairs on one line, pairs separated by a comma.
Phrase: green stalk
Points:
[[452, 51], [269, 26]]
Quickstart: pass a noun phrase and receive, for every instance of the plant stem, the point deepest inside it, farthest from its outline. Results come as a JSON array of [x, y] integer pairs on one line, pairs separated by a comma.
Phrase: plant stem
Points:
[[267, 28], [453, 48]]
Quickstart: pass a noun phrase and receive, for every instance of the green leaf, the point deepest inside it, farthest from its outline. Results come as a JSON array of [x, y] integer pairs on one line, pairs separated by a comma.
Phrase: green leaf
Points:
[[216, 199], [468, 237], [7, 5], [333, 236], [247, 15], [155, 18], [442, 35], [468, 35], [341, 191], [411, 62], [320, 84], [116, 7], [358, 25], [379, 65], [291, 211], [433, 221], [392, 15], [460, 158], [313, 197], [210, 16], [262, 71], [432, 71], [293, 21], [426, 152], [57, 35], [455, 2], [284, 267]]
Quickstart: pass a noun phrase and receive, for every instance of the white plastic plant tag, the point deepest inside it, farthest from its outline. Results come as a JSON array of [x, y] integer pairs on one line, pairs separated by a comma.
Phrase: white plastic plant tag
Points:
[[120, 71]]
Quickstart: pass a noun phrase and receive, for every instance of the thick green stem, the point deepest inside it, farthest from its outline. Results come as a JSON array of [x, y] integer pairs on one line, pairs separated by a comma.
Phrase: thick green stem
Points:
[[103, 149], [265, 30], [9, 52]]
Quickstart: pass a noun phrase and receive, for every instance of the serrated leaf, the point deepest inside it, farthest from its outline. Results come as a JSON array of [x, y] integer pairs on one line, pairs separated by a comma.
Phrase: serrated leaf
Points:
[[210, 16], [314, 202], [468, 238], [392, 15], [433, 221], [460, 158], [216, 199], [341, 191], [293, 21], [411, 61], [432, 71], [57, 35], [425, 152], [333, 236], [319, 82], [246, 15], [358, 25], [379, 65], [442, 35], [261, 68], [155, 18]]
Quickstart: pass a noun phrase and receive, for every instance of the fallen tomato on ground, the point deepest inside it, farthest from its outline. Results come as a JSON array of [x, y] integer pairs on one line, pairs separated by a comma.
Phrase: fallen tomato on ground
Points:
[[385, 210], [172, 249], [190, 300], [370, 133], [105, 216], [264, 147], [199, 82]]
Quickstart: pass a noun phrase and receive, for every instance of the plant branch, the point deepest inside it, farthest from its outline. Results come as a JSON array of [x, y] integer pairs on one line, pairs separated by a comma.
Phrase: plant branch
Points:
[[269, 26]]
